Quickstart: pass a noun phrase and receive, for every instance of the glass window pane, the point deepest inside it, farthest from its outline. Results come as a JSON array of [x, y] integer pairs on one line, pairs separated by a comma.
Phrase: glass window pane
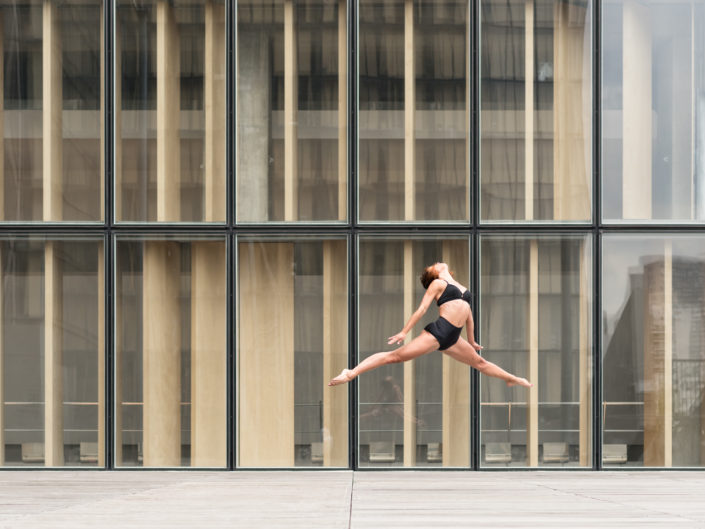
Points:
[[293, 338], [536, 108], [170, 111], [413, 111], [291, 110], [653, 290], [52, 354], [51, 159], [535, 307], [170, 352], [416, 413], [653, 111]]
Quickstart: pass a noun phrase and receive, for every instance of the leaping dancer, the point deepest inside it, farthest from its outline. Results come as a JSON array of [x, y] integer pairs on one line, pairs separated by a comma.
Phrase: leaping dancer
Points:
[[453, 301]]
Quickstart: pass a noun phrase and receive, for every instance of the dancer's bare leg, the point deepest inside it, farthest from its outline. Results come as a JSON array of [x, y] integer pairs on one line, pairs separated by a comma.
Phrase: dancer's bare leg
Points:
[[463, 352], [422, 344]]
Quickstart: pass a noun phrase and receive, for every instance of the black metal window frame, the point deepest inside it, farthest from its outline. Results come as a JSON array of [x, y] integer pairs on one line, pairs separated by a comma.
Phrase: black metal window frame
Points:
[[110, 230]]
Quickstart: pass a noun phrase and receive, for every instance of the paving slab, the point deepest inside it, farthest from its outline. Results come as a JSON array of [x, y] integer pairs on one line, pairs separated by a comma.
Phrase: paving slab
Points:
[[345, 499]]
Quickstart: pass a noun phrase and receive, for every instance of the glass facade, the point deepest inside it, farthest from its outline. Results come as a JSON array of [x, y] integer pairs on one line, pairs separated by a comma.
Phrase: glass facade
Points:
[[208, 209]]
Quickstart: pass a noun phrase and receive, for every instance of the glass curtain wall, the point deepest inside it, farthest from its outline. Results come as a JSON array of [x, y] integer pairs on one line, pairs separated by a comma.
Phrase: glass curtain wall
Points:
[[292, 79], [416, 413], [654, 365], [413, 110], [51, 111], [170, 351], [170, 111], [653, 111], [536, 108], [52, 352], [536, 306], [292, 339]]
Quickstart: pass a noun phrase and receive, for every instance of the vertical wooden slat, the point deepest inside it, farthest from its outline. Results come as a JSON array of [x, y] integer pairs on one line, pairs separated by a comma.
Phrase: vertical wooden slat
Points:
[[570, 173], [409, 112], [409, 367], [101, 353], [266, 411], [52, 161], [168, 115], [117, 363], [117, 130], [585, 366], [342, 110], [636, 111], [658, 354], [208, 354], [290, 113], [102, 120], [456, 378], [2, 124], [161, 354], [53, 361], [529, 110], [2, 346], [214, 103], [532, 421], [335, 349]]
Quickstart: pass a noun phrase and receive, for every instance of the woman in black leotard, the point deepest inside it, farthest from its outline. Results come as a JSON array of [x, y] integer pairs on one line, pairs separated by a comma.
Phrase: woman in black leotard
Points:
[[453, 301]]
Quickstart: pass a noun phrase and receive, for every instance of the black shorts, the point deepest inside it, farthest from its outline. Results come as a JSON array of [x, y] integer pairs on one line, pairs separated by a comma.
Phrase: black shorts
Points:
[[445, 332]]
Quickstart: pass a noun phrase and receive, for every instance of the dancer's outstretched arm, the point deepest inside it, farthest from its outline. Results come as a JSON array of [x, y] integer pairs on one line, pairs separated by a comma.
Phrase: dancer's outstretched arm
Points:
[[470, 325], [436, 287]]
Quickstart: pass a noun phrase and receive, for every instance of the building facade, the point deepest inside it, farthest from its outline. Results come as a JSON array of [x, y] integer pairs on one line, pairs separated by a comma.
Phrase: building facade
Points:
[[208, 209]]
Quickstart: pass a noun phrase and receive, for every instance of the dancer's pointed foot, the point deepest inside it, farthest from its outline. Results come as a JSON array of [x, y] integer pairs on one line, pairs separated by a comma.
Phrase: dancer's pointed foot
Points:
[[344, 376], [518, 381]]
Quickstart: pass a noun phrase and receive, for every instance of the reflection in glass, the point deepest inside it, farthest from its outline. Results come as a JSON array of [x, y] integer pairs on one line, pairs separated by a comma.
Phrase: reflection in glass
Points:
[[293, 338], [170, 111], [653, 110], [535, 322], [291, 110], [51, 122], [536, 102], [52, 369], [413, 101], [653, 343], [170, 352], [416, 413]]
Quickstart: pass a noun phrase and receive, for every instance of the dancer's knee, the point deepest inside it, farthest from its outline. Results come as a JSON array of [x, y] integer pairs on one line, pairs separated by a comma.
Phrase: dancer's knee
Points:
[[479, 363], [393, 357]]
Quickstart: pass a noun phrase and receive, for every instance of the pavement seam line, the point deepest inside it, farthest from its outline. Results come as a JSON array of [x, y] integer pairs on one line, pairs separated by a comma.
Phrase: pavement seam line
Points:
[[352, 488]]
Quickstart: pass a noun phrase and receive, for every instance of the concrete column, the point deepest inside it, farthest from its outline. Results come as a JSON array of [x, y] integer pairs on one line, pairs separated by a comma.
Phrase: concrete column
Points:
[[571, 169], [266, 411], [409, 113], [208, 354], [342, 110], [658, 360], [532, 419], [168, 115], [529, 110], [52, 106], [253, 120], [456, 378], [335, 349], [409, 367], [291, 105], [53, 357], [214, 103], [636, 111], [101, 354], [161, 354]]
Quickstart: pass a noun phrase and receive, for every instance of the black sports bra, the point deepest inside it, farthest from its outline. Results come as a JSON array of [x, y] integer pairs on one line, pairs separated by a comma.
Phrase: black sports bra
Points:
[[452, 293]]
